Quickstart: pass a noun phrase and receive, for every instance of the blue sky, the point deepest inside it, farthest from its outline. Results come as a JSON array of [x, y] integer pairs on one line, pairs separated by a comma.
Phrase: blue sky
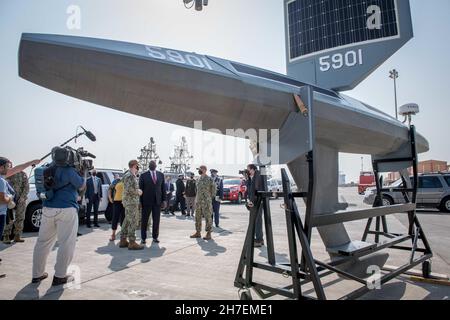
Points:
[[34, 119]]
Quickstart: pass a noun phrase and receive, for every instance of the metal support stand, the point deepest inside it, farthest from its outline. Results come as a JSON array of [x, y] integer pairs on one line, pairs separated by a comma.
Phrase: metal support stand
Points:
[[310, 270]]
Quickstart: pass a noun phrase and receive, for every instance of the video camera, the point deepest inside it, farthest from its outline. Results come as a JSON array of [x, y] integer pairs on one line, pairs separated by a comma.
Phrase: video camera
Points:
[[76, 158], [245, 173], [61, 157]]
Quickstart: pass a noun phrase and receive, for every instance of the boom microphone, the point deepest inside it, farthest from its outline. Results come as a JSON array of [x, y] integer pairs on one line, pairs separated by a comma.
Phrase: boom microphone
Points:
[[89, 134]]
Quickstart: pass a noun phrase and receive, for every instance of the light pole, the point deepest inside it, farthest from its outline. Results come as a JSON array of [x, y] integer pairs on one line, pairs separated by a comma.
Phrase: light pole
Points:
[[393, 74]]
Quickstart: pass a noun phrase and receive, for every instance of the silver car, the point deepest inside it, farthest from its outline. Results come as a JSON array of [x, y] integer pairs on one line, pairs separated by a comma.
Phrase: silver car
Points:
[[433, 192]]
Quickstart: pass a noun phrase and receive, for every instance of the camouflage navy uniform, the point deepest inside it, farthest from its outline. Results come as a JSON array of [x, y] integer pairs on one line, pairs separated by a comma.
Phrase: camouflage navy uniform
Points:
[[206, 191], [130, 201], [19, 182]]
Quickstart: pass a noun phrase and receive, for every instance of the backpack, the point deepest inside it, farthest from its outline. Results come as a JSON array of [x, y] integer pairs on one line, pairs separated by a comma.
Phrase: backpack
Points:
[[45, 181]]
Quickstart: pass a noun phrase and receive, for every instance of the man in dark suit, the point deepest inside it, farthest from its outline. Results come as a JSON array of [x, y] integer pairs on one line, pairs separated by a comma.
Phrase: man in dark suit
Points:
[[179, 195], [153, 197], [255, 183], [219, 196], [169, 193], [93, 197]]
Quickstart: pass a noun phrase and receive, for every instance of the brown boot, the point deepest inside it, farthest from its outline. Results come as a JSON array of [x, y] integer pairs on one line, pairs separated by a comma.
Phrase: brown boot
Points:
[[123, 243], [135, 246], [6, 240], [208, 236], [196, 235], [18, 239]]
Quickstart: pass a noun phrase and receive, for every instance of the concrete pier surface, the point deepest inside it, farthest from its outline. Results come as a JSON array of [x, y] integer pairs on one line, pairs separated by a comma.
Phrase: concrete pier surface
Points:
[[181, 268]]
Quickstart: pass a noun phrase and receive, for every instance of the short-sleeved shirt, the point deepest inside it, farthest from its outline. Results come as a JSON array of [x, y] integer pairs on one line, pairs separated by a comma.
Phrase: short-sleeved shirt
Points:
[[4, 189], [118, 194], [68, 181]]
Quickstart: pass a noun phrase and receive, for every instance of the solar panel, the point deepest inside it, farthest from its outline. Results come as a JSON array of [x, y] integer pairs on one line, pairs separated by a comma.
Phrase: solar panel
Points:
[[318, 25]]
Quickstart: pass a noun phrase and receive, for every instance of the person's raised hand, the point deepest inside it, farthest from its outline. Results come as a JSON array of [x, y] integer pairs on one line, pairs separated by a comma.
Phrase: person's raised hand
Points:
[[34, 163]]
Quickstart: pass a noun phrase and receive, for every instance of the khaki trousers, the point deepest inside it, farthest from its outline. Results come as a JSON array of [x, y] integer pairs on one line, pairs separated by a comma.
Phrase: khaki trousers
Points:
[[61, 225]]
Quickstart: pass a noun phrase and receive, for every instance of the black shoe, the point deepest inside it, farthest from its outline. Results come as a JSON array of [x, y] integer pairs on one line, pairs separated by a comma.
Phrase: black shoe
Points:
[[60, 281], [183, 213], [155, 240], [2, 275], [143, 242], [172, 213], [88, 226], [96, 226], [79, 234], [258, 244], [39, 279]]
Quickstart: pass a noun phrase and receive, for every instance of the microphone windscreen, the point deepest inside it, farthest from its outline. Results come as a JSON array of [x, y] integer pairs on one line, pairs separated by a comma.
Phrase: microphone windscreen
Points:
[[91, 136]]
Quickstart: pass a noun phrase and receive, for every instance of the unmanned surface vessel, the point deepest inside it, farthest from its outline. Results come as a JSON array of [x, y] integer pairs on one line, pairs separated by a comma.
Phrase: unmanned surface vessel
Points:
[[306, 106]]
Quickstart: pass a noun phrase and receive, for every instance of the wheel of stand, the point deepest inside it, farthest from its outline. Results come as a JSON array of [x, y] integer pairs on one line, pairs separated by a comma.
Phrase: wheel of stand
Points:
[[426, 269], [246, 295]]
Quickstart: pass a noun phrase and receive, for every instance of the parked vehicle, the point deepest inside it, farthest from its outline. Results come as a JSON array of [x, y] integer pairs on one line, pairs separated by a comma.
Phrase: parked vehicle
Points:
[[366, 180], [234, 190], [275, 185], [33, 213], [433, 192]]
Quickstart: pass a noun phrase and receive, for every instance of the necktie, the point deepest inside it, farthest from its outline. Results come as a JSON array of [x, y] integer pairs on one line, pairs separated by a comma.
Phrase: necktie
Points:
[[153, 177], [94, 180]]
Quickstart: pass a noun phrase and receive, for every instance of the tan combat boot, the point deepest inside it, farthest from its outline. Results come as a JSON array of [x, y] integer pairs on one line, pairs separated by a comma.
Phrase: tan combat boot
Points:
[[6, 240], [208, 236], [123, 243], [196, 235], [18, 239], [135, 246]]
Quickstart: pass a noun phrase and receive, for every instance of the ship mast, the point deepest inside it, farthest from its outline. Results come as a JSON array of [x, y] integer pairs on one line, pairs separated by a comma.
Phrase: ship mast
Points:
[[181, 160], [148, 153]]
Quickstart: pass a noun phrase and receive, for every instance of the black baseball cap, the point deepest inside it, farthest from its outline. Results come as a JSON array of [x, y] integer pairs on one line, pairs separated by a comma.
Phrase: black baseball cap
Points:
[[4, 161]]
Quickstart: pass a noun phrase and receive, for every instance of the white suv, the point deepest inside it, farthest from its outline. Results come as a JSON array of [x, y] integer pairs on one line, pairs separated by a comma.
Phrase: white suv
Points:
[[34, 204]]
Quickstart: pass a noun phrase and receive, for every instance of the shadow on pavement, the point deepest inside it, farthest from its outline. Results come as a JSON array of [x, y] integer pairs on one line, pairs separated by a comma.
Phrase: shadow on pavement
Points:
[[280, 258], [389, 291], [121, 257], [211, 247], [29, 292]]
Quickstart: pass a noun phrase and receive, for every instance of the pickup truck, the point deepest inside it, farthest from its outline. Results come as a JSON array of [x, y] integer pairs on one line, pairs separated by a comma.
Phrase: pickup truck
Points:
[[33, 212], [234, 190]]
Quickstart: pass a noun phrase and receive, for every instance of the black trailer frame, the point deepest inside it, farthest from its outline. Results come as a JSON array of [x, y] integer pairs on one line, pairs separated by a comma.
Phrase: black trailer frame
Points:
[[308, 269]]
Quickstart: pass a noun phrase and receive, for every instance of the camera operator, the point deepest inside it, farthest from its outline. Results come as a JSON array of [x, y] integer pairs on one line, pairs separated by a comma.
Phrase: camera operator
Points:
[[59, 222], [255, 183]]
